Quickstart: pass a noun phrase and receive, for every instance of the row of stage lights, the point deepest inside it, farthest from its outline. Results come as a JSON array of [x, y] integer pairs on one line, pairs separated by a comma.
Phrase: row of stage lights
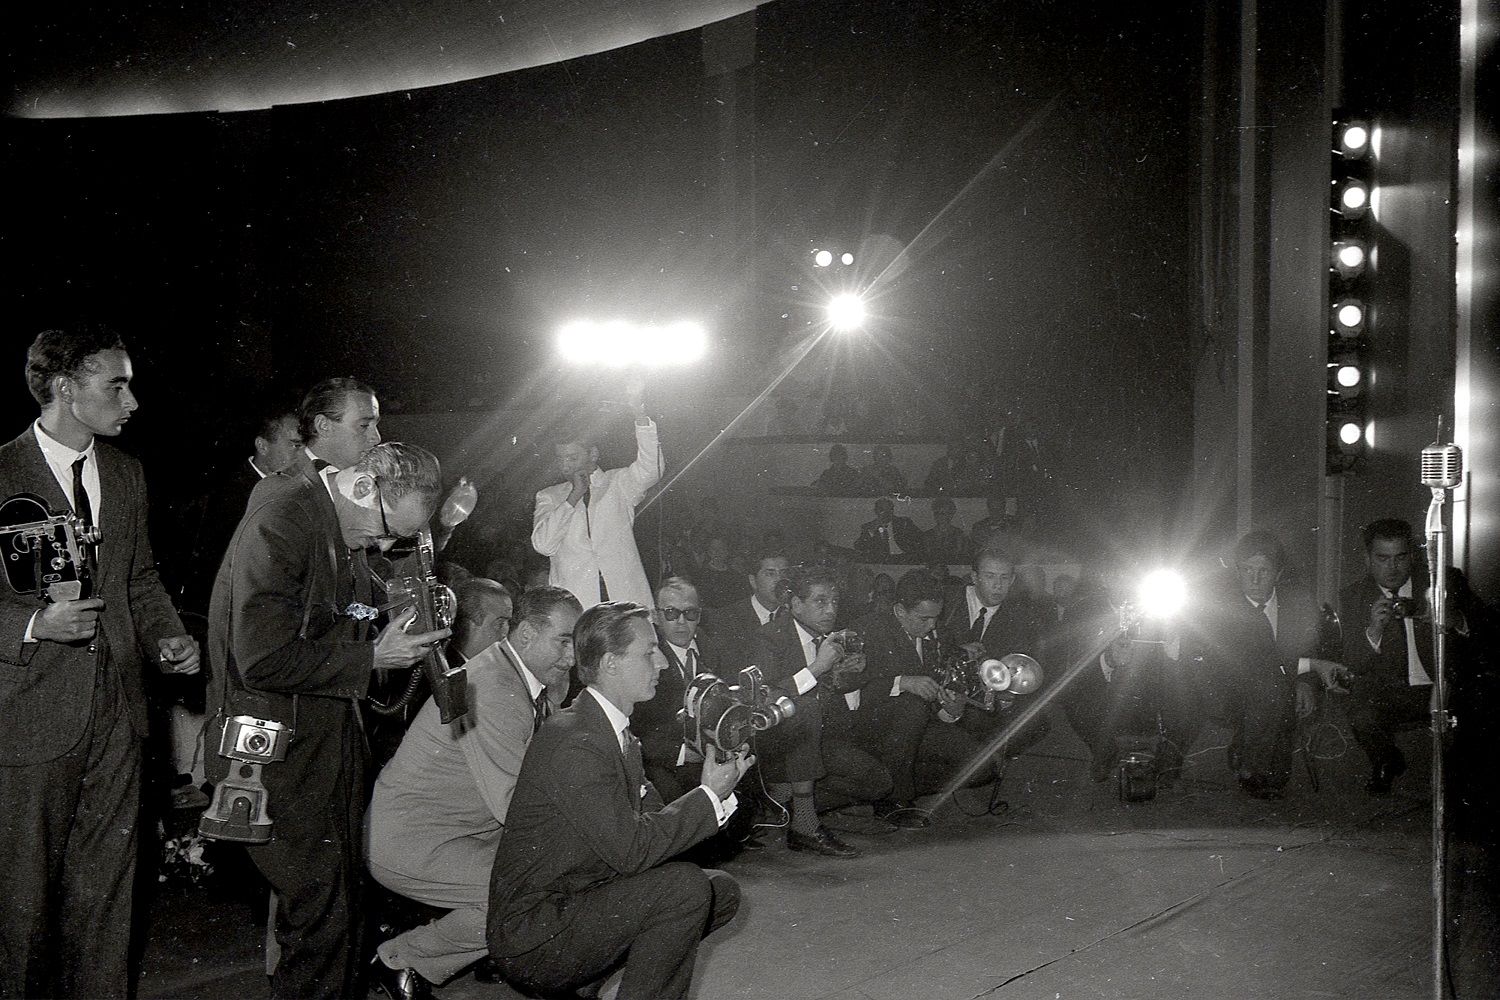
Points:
[[1351, 267]]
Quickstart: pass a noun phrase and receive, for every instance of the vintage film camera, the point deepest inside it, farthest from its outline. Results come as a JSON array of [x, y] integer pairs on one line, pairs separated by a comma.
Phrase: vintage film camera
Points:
[[720, 717], [978, 681], [436, 608], [239, 810], [45, 553], [852, 642]]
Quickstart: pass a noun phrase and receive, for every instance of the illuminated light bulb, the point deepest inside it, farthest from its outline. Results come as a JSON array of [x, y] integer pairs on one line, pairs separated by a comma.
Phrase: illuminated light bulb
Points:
[[822, 258], [1350, 433], [1348, 376], [846, 312], [847, 258], [1351, 256], [1355, 197], [1162, 593], [1356, 138], [1351, 315]]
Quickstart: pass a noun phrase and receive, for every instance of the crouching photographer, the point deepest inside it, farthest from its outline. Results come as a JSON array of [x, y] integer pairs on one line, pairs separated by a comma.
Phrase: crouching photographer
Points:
[[811, 760]]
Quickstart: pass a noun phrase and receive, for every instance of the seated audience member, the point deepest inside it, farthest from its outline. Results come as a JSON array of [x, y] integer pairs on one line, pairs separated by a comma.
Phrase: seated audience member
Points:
[[989, 529], [671, 766], [945, 541], [796, 656], [888, 538], [1387, 649], [1021, 465], [882, 473], [718, 583], [941, 474], [737, 623], [841, 479], [1263, 633], [906, 718], [1134, 694], [976, 473], [582, 881], [440, 805]]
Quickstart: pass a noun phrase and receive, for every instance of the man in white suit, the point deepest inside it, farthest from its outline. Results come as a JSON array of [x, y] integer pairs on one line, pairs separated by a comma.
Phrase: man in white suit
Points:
[[585, 524]]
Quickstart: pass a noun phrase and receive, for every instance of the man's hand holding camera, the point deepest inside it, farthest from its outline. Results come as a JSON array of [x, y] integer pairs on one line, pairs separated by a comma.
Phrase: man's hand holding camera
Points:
[[1381, 613], [396, 648], [921, 685], [68, 621], [723, 776]]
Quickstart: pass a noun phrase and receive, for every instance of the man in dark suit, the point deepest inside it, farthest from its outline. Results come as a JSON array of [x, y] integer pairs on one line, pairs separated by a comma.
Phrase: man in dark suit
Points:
[[810, 761], [72, 684], [1387, 646], [440, 805], [889, 538], [582, 879], [289, 642], [1264, 635], [672, 766], [905, 716], [737, 623]]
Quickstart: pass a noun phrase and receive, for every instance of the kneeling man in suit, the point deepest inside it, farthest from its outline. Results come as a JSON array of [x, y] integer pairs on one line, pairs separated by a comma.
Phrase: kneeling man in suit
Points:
[[583, 880]]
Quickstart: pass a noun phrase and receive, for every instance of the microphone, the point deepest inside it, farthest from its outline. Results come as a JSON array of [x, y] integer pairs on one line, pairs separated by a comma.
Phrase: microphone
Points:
[[1442, 466]]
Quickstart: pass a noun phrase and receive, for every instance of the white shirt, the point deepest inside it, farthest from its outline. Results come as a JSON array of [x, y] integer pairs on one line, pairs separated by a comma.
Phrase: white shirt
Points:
[[259, 474], [621, 723], [1272, 610], [760, 612], [974, 606], [533, 686], [60, 459], [682, 656], [1416, 673], [804, 678]]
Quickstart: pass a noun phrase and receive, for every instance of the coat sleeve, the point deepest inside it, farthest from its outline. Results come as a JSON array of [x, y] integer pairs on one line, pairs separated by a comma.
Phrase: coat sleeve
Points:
[[271, 575], [587, 793], [549, 523], [150, 607], [640, 475]]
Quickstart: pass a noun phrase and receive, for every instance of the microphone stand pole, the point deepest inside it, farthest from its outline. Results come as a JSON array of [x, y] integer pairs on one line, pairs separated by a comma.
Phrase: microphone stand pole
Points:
[[1437, 552]]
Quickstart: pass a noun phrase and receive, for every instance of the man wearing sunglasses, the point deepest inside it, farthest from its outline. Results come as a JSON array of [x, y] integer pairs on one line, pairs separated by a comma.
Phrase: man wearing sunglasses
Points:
[[289, 642], [672, 767]]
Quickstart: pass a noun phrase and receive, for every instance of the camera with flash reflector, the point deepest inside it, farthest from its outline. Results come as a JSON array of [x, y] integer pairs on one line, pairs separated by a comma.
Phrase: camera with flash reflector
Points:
[[720, 717]]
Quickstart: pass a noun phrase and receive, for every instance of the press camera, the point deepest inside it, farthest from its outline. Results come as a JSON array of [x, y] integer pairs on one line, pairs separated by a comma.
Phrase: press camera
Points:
[[45, 553], [979, 680], [721, 717], [239, 811]]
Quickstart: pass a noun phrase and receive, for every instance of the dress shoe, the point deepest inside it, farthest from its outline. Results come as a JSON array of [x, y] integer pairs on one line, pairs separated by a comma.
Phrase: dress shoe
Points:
[[399, 984], [822, 842], [486, 971], [902, 813], [1381, 776]]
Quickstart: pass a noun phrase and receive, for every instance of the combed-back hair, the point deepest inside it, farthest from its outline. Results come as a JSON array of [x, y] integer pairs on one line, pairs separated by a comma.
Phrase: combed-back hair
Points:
[[330, 398], [803, 579], [66, 352], [271, 423], [470, 594], [675, 585], [1390, 529], [537, 604], [918, 585], [604, 628], [400, 469], [992, 551], [1260, 542]]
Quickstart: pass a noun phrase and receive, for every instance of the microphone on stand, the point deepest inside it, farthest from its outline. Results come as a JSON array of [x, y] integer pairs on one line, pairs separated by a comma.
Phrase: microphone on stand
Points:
[[1442, 466]]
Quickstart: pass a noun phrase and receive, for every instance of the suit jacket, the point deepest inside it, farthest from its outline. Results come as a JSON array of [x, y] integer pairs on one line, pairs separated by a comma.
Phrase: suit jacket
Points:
[[1013, 627], [287, 564], [454, 782], [889, 653], [578, 819], [1242, 640], [1386, 667], [735, 627], [47, 688], [599, 537], [220, 515], [872, 545], [655, 722]]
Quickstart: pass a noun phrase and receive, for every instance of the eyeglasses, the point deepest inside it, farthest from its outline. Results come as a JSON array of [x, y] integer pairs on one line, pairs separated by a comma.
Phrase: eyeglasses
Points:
[[672, 614]]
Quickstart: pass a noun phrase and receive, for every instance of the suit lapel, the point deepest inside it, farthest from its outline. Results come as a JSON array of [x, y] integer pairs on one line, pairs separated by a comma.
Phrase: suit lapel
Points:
[[342, 585], [36, 475], [114, 528], [606, 731]]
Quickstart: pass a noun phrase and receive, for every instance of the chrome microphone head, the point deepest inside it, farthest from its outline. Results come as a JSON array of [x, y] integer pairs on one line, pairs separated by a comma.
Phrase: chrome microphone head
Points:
[[1442, 466]]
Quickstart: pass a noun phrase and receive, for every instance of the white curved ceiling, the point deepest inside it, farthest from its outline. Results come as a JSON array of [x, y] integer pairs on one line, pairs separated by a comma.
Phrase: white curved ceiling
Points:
[[132, 57]]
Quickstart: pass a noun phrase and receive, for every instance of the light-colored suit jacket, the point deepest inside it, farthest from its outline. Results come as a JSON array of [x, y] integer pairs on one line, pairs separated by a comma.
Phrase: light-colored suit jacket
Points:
[[439, 805], [584, 541]]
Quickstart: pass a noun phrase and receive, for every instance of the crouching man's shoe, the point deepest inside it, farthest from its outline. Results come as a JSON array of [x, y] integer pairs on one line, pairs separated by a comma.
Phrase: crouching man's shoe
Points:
[[823, 842], [399, 984]]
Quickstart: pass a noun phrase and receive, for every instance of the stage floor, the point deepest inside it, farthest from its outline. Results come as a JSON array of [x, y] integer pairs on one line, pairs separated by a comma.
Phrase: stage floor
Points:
[[1202, 892]]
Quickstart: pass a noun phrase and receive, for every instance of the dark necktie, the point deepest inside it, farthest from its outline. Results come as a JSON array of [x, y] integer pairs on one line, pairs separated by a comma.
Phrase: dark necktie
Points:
[[542, 710], [690, 665], [976, 630], [1266, 614], [82, 507], [635, 768]]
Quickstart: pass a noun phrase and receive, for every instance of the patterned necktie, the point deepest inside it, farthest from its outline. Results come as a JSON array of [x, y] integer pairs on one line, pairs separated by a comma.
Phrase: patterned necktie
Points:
[[82, 506], [542, 710]]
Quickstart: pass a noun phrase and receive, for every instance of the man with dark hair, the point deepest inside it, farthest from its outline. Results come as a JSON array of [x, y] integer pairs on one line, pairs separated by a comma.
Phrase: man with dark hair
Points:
[[810, 760], [882, 473], [888, 538], [440, 805], [906, 716], [585, 525], [289, 642], [481, 619], [738, 622], [339, 421], [1263, 635], [72, 684], [945, 541], [582, 880], [1387, 643]]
